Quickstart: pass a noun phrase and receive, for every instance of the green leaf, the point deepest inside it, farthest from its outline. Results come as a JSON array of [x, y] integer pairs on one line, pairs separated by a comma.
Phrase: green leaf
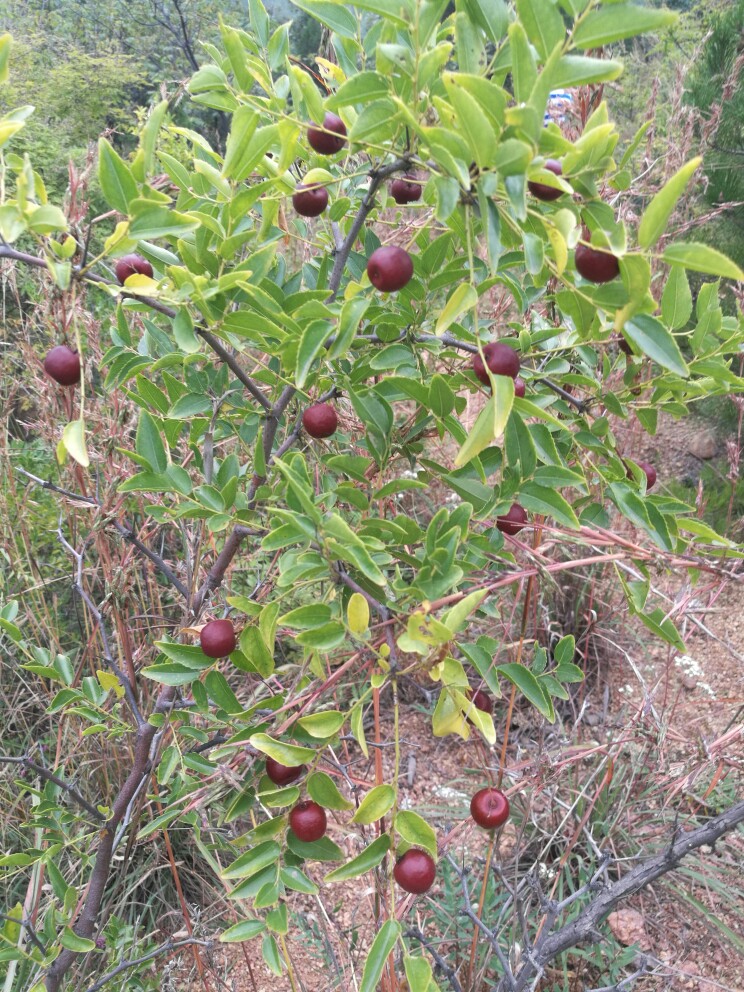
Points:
[[519, 446], [183, 332], [71, 941], [297, 880], [152, 220], [528, 685], [490, 423], [474, 123], [416, 831], [322, 725], [47, 219], [657, 213], [543, 24], [324, 791], [375, 804], [334, 15], [348, 322], [653, 339], [116, 179], [370, 858], [6, 42], [701, 258], [316, 850], [312, 343], [220, 692], [149, 444], [464, 298], [580, 70], [73, 439], [270, 954], [676, 300], [617, 21], [357, 614], [245, 930], [364, 87], [381, 949], [547, 501], [419, 974], [190, 405], [255, 651], [524, 67], [660, 625], [286, 754], [253, 861], [455, 617], [565, 649]]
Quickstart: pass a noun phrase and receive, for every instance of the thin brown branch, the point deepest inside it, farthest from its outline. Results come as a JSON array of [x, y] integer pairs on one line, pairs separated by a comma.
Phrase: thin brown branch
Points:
[[56, 780]]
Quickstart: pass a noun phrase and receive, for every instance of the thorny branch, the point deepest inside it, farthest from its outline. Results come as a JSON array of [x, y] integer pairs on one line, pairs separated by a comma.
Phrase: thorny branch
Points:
[[551, 943]]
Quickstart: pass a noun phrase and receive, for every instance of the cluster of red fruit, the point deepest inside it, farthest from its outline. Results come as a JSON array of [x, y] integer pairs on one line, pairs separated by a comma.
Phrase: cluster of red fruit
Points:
[[311, 200], [415, 870]]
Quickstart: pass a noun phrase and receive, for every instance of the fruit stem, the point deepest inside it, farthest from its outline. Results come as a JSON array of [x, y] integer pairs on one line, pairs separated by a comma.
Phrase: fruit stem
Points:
[[481, 904]]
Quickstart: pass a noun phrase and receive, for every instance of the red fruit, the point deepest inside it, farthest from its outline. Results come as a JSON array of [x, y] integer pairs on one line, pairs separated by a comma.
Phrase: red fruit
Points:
[[130, 265], [320, 420], [624, 346], [482, 701], [310, 201], [283, 774], [501, 360], [389, 268], [595, 265], [405, 190], [217, 638], [513, 520], [415, 871], [489, 808], [519, 387], [543, 192], [323, 142], [649, 471], [308, 821], [63, 365]]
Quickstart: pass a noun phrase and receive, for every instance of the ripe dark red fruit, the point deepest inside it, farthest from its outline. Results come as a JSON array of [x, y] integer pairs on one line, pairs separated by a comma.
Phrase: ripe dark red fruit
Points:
[[595, 265], [308, 821], [283, 774], [405, 189], [389, 268], [649, 471], [310, 201], [320, 420], [63, 365], [624, 346], [519, 387], [482, 701], [513, 520], [543, 192], [489, 808], [130, 265], [501, 360], [217, 638], [323, 142], [415, 871]]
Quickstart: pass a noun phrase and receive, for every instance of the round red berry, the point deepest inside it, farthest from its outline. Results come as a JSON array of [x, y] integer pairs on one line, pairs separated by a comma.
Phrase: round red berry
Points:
[[415, 871], [489, 808]]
